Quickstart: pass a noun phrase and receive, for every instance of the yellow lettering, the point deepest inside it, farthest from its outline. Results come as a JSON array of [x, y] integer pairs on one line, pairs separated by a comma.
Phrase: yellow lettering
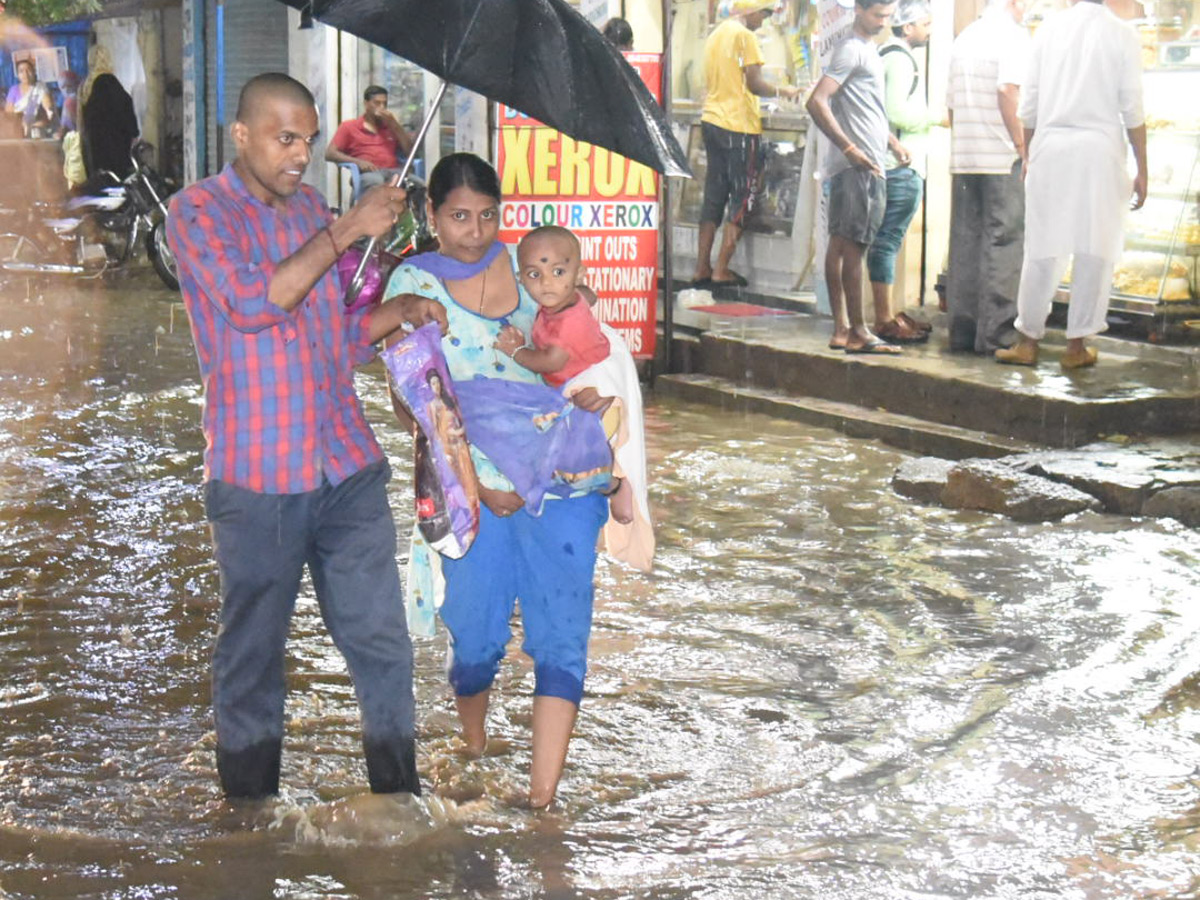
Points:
[[610, 172], [640, 182], [575, 174], [516, 161], [544, 161]]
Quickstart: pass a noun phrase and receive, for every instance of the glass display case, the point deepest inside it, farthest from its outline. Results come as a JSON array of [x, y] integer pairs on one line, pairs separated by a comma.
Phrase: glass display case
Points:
[[778, 189], [1158, 270], [785, 40]]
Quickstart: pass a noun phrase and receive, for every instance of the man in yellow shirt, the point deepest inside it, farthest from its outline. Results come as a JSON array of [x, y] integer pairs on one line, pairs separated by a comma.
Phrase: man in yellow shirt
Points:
[[732, 128]]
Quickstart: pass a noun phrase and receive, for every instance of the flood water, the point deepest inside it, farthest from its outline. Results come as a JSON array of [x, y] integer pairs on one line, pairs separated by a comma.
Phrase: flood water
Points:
[[823, 691]]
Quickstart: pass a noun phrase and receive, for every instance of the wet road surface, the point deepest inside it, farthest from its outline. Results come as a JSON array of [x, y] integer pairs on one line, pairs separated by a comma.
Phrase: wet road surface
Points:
[[822, 691]]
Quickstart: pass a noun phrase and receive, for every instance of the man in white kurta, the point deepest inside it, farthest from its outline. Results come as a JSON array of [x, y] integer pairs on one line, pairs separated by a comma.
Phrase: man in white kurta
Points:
[[1081, 101]]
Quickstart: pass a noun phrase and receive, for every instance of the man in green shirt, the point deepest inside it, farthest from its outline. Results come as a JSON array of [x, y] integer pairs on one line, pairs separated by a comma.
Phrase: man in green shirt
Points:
[[910, 120]]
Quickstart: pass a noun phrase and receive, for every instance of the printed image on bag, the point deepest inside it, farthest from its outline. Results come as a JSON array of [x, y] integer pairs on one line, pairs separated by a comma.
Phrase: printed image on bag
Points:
[[446, 489]]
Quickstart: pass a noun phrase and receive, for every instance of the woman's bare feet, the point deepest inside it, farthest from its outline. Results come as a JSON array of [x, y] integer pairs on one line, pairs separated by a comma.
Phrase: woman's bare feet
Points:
[[553, 719], [620, 502], [472, 713]]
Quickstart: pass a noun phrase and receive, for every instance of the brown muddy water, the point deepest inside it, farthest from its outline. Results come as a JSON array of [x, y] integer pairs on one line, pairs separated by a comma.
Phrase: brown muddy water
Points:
[[822, 691]]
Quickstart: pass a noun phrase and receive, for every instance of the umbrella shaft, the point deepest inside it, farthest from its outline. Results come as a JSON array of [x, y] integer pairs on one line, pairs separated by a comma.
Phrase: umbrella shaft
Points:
[[356, 283]]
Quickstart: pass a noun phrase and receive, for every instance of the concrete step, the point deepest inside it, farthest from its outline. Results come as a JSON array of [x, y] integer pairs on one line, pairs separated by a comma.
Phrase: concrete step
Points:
[[1138, 392], [904, 432]]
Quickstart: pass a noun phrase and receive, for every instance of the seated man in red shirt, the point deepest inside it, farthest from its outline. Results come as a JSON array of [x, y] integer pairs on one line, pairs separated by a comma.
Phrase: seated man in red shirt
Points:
[[372, 141]]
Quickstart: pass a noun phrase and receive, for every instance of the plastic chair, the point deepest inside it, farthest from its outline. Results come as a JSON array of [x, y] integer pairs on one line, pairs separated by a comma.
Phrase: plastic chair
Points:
[[355, 179], [418, 169]]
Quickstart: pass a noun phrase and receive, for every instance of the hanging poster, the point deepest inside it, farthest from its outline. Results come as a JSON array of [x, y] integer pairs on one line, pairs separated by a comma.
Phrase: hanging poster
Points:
[[608, 201]]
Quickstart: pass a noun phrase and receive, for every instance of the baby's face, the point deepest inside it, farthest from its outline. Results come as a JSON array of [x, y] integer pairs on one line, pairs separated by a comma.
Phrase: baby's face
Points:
[[550, 268]]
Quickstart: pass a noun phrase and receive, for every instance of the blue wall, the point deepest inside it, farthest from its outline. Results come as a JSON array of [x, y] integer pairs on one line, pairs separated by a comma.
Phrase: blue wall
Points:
[[74, 36]]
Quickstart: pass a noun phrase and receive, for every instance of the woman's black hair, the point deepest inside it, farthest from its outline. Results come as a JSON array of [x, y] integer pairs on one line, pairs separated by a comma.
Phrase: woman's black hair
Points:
[[462, 170]]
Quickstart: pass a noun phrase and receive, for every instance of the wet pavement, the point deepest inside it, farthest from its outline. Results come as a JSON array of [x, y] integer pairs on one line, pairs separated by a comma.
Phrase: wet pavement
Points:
[[823, 689], [1136, 389]]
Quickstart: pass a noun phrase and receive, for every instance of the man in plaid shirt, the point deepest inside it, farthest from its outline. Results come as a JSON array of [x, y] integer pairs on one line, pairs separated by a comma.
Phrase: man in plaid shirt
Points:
[[293, 474]]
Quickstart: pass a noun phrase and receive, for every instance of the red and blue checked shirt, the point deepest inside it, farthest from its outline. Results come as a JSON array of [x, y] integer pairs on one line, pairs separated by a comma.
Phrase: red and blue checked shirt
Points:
[[280, 409]]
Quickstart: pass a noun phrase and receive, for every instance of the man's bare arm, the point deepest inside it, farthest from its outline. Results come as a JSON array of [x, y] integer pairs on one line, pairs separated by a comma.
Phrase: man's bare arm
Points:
[[818, 107], [1008, 97], [760, 87], [372, 216], [334, 155], [1141, 181]]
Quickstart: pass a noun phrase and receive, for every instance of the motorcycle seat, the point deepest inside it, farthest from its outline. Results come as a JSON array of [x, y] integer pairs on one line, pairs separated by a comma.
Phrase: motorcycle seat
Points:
[[110, 202], [62, 226]]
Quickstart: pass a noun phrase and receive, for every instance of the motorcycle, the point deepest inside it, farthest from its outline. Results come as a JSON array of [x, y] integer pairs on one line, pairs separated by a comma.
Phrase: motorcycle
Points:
[[96, 232]]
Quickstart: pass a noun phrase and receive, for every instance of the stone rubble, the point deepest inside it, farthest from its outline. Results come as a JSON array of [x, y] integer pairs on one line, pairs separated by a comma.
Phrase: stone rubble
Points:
[[1160, 479]]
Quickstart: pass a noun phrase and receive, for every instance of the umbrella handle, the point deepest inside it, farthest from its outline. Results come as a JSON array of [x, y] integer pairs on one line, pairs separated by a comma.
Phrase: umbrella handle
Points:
[[356, 283]]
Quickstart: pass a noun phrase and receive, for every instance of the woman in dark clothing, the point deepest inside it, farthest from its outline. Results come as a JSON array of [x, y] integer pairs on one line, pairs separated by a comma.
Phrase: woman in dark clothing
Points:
[[110, 127]]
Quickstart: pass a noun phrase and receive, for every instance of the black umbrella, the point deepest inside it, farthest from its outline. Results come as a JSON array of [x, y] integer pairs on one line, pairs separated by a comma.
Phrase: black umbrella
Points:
[[538, 56]]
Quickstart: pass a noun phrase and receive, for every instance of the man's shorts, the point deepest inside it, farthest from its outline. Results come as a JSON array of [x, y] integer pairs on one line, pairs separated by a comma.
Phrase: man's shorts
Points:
[[731, 175], [857, 202]]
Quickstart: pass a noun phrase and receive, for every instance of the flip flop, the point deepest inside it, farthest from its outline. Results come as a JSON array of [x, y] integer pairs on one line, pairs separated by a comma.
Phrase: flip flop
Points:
[[701, 283], [878, 347], [736, 281], [836, 344]]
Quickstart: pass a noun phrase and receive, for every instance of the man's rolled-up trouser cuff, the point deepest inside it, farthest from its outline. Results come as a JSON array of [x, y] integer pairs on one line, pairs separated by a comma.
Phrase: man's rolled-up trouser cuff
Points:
[[881, 265], [551, 681]]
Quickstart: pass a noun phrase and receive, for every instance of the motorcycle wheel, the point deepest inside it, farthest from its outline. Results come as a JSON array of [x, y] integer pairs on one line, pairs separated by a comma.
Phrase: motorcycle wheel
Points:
[[17, 248], [161, 256]]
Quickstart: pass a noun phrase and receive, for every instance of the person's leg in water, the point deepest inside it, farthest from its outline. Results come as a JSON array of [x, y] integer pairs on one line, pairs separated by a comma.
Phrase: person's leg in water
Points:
[[472, 715], [553, 722], [557, 562], [259, 542], [352, 561], [481, 590]]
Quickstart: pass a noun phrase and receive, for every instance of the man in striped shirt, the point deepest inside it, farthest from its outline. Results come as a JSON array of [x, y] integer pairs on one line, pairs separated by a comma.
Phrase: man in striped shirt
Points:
[[293, 474], [987, 66]]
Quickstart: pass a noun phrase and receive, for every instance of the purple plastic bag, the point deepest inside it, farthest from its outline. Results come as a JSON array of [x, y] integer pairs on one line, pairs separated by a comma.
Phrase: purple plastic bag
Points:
[[375, 274], [447, 495]]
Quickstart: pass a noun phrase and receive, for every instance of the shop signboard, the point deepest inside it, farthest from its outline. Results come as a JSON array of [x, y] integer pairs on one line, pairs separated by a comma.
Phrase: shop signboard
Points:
[[608, 201]]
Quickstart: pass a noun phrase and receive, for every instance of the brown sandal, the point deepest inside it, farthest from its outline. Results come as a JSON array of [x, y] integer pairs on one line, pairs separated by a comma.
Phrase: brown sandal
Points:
[[898, 331], [914, 324]]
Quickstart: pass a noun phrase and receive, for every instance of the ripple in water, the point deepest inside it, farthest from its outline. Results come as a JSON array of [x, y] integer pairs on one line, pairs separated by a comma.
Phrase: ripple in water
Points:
[[822, 690]]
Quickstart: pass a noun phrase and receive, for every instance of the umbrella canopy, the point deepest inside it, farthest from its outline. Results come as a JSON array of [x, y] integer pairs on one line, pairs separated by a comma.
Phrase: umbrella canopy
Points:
[[538, 56]]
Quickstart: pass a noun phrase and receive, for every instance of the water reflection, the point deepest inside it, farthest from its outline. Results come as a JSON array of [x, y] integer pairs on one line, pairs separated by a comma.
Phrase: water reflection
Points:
[[822, 691]]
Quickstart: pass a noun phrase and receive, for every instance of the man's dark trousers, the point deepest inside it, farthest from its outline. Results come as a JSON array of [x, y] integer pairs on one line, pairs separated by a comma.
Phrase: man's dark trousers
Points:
[[987, 235], [347, 538]]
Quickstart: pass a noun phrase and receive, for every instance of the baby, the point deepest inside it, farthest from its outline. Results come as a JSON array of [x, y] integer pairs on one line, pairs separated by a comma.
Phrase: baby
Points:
[[566, 337]]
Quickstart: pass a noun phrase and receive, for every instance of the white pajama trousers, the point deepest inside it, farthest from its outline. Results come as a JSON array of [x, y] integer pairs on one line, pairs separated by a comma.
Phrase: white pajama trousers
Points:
[[1091, 284]]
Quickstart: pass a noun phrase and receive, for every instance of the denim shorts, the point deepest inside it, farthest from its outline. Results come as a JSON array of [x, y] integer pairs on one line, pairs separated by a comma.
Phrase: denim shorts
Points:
[[857, 202]]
